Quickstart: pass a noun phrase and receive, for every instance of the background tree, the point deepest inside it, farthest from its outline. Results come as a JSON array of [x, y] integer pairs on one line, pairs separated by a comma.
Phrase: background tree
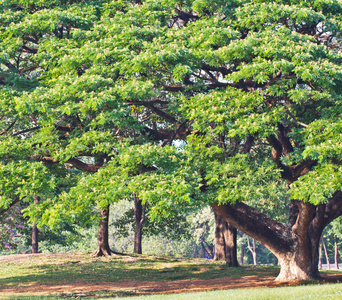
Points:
[[225, 242], [174, 228]]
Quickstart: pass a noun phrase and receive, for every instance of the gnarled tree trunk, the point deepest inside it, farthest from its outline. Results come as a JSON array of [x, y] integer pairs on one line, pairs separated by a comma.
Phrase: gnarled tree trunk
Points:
[[225, 242], [295, 243]]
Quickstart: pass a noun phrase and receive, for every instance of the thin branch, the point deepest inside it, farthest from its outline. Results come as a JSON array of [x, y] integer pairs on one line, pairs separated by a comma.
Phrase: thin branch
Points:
[[9, 127], [14, 202], [294, 118], [26, 130], [80, 165], [30, 50]]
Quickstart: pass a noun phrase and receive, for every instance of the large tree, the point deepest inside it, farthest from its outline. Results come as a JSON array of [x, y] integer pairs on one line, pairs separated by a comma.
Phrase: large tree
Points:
[[68, 92], [252, 87], [259, 87]]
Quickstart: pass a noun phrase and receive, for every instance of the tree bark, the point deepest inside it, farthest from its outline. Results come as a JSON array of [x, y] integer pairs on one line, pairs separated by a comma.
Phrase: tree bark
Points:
[[231, 246], [139, 216], [103, 248], [219, 238], [225, 242], [295, 243], [34, 238]]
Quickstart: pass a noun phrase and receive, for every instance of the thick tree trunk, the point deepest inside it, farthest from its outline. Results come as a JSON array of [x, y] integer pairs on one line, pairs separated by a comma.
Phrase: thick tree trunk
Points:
[[139, 216], [295, 266], [295, 243], [231, 246], [219, 238], [103, 248], [225, 242], [34, 238]]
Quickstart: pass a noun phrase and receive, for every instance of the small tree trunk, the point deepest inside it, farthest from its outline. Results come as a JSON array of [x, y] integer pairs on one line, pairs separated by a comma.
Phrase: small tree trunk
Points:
[[139, 216], [196, 251], [252, 249], [254, 253], [326, 254], [204, 251], [34, 238], [242, 255], [103, 248], [320, 256], [336, 254]]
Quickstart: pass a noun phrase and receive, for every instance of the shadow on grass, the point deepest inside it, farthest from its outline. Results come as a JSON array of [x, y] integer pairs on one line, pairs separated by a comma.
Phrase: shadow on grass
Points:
[[120, 269]]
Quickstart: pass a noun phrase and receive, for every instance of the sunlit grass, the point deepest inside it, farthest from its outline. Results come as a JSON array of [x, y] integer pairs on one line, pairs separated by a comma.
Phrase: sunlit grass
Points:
[[326, 291]]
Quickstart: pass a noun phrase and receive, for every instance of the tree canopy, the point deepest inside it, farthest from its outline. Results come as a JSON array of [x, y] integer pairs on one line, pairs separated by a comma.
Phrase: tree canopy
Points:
[[187, 103]]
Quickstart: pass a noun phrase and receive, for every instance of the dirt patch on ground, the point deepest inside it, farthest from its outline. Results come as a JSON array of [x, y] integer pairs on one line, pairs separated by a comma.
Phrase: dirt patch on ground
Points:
[[133, 287], [76, 287]]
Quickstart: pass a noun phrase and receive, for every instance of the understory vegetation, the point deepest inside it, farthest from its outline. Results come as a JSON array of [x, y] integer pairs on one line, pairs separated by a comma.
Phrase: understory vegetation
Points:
[[195, 240]]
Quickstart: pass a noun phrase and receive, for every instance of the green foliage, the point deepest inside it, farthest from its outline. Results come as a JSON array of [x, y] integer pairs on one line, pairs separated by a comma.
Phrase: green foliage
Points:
[[106, 87]]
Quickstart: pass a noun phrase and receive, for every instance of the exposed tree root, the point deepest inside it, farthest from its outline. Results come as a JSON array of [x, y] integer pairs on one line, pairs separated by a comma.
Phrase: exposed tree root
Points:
[[107, 252]]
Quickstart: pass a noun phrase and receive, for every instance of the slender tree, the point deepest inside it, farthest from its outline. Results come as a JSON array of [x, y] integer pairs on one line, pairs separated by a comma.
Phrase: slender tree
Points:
[[336, 253], [326, 253], [253, 250]]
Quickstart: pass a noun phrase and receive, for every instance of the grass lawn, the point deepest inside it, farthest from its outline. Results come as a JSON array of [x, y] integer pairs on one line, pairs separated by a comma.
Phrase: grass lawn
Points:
[[77, 275], [324, 291]]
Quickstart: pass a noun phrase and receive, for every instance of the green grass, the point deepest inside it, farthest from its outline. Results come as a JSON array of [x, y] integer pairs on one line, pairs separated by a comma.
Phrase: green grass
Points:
[[326, 291], [64, 268]]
